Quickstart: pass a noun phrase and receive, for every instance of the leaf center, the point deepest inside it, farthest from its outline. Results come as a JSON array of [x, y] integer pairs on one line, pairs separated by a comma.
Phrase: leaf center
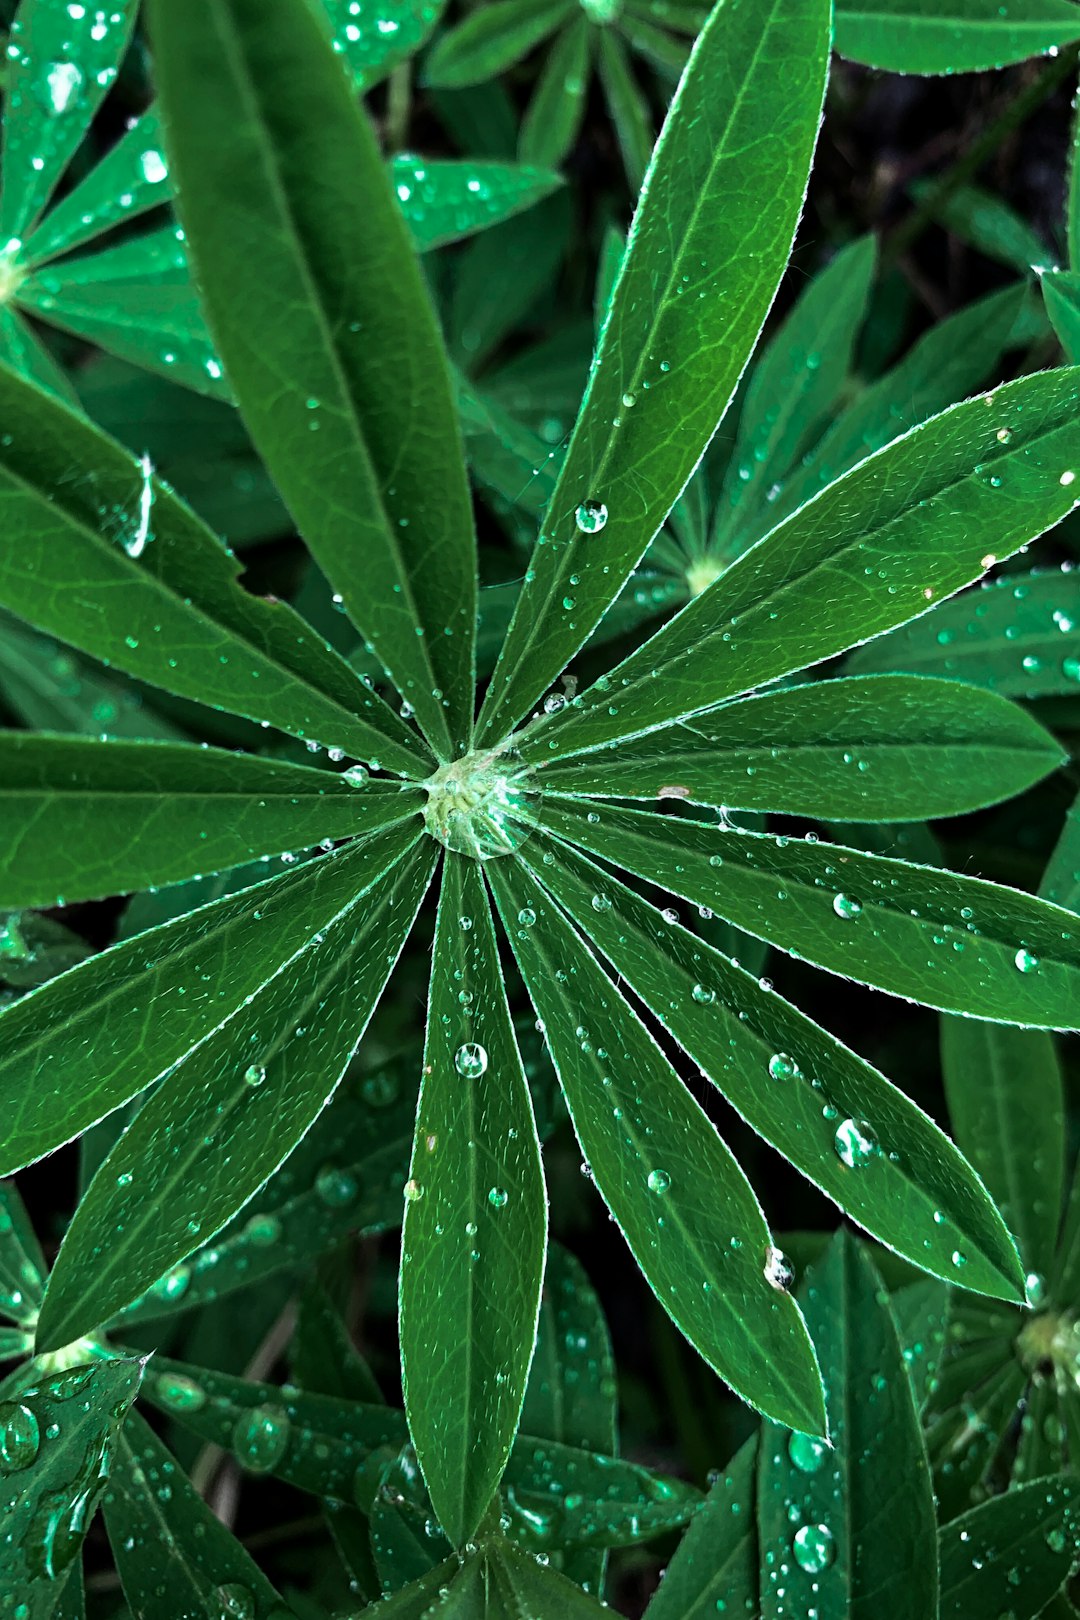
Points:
[[476, 804]]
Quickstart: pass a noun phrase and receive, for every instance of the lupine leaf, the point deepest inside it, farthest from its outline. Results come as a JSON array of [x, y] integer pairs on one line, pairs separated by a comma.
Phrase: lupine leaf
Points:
[[965, 36], [688, 299], [880, 921], [23, 351], [121, 1020], [493, 39], [627, 106], [59, 1432], [837, 1120], [884, 749], [173, 1554], [475, 1232], [130, 178], [1061, 292], [60, 62], [795, 384], [849, 1526], [716, 1561], [653, 1154], [988, 224], [912, 524], [371, 471], [550, 126], [1019, 635], [921, 1314], [228, 1114], [374, 39], [1032, 1529], [75, 507], [444, 200], [89, 819], [22, 1264], [1006, 1102]]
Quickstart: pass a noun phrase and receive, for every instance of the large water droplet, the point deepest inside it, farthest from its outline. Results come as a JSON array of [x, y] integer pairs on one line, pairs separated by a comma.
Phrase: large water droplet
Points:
[[659, 1181], [806, 1451], [1026, 961], [20, 1438], [855, 1143], [498, 1197], [782, 1067], [591, 517], [60, 87], [846, 906], [814, 1547], [179, 1393], [471, 1060], [260, 1437], [779, 1271]]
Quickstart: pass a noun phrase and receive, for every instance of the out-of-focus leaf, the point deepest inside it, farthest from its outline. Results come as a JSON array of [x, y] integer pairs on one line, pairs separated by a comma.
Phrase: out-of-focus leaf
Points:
[[493, 39], [969, 36], [1011, 1553], [444, 200]]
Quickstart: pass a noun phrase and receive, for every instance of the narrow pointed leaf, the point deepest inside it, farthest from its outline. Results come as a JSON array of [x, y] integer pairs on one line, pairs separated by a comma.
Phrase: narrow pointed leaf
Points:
[[493, 39], [716, 1560], [907, 527], [551, 124], [1032, 1529], [88, 819], [1006, 1102], [834, 1117], [985, 222], [965, 36], [23, 351], [227, 1116], [956, 943], [525, 1586], [122, 569], [1061, 879], [795, 384], [1016, 635], [49, 688], [628, 107], [850, 1526], [443, 200], [131, 178], [372, 49], [475, 1232], [887, 749], [921, 1314], [173, 1554], [59, 65], [370, 469], [1061, 293], [22, 1264], [684, 1206], [687, 307], [59, 1434], [123, 1019]]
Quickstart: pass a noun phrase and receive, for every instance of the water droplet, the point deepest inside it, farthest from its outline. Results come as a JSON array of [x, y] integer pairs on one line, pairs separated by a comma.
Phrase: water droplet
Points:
[[179, 1393], [254, 1074], [814, 1547], [260, 1437], [1035, 1288], [591, 517], [471, 1060], [60, 87], [336, 1187], [806, 1451], [659, 1181], [357, 776], [413, 1191], [1026, 961], [855, 1143], [526, 916], [782, 1067], [779, 1271], [601, 902], [20, 1437], [154, 167], [237, 1602], [846, 906], [703, 995], [1057, 1540], [498, 1197]]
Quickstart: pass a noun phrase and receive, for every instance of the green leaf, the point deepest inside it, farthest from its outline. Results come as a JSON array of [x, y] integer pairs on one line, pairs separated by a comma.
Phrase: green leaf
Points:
[[987, 223], [58, 1435], [910, 525], [173, 1554], [653, 1152], [111, 562], [687, 307], [131, 178], [1006, 1101], [475, 1232], [493, 39], [921, 1314], [1061, 880], [850, 1527], [524, 1586], [834, 1117], [956, 943], [59, 65], [967, 36], [136, 299], [1061, 293], [22, 1264], [1031, 1530], [90, 819], [628, 107], [947, 363], [889, 748], [124, 1018], [371, 471], [716, 1561], [795, 384], [551, 124], [24, 352], [228, 1114], [442, 200], [370, 48], [345, 1176], [1014, 635]]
